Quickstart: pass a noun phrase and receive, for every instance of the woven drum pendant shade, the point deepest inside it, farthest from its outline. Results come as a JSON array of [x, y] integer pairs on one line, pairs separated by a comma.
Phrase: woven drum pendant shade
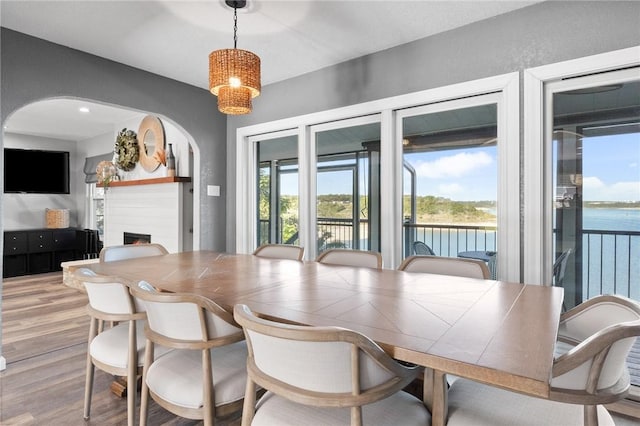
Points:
[[234, 100], [234, 76]]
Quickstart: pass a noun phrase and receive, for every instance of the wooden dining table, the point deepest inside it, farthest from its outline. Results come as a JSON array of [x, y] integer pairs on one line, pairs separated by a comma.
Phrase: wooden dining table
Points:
[[495, 332]]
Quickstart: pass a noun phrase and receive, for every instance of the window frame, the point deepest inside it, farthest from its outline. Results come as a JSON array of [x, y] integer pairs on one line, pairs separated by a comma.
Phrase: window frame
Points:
[[506, 88]]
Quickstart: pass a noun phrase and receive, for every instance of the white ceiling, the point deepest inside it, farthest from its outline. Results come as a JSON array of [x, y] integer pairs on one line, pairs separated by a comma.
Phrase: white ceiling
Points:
[[174, 38]]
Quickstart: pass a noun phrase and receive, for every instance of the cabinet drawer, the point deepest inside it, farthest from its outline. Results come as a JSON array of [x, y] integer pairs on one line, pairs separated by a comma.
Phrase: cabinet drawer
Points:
[[64, 239], [40, 241], [15, 243]]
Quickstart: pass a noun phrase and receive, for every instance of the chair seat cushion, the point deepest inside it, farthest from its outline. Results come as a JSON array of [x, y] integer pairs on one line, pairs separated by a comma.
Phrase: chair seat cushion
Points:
[[399, 409], [112, 345], [472, 403], [177, 376]]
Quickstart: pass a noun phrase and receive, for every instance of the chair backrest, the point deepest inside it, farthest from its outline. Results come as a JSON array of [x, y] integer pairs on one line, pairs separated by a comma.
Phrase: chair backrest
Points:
[[323, 366], [421, 248], [559, 267], [347, 257], [470, 268], [108, 297], [602, 331], [131, 251], [178, 318], [280, 251]]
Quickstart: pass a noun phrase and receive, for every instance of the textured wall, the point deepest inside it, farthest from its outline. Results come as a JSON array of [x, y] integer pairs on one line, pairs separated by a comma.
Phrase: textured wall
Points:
[[34, 69], [541, 34]]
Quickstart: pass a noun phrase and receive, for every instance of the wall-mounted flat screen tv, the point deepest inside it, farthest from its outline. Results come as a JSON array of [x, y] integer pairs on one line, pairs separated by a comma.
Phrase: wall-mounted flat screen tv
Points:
[[36, 171]]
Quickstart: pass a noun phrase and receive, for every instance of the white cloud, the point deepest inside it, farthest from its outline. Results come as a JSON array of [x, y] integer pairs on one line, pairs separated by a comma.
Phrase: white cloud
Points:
[[449, 189], [596, 190], [453, 166]]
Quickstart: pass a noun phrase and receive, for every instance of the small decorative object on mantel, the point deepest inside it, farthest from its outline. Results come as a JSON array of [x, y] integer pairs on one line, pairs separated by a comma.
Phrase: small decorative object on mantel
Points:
[[106, 172], [126, 150], [171, 162]]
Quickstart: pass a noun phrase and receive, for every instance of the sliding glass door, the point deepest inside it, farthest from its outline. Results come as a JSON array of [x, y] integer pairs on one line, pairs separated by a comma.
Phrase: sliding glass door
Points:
[[277, 183], [347, 162], [595, 177], [450, 180]]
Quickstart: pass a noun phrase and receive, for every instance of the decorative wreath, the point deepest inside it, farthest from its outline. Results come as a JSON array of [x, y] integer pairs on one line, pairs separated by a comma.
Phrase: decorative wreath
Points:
[[126, 150]]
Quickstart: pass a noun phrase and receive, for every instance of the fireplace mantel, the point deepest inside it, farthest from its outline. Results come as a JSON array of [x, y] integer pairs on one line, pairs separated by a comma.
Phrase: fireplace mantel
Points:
[[151, 181]]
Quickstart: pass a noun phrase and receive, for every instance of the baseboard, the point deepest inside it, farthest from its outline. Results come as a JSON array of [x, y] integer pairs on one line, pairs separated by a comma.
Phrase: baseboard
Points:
[[3, 363]]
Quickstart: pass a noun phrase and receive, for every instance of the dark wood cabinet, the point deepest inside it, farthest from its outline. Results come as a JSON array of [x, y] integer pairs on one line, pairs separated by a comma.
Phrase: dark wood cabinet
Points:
[[37, 251]]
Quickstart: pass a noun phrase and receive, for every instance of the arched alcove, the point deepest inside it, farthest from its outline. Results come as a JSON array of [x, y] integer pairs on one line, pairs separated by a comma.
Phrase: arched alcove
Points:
[[86, 128]]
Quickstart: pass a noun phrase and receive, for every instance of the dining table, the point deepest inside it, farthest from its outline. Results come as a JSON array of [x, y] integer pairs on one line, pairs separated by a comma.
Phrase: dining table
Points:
[[495, 332]]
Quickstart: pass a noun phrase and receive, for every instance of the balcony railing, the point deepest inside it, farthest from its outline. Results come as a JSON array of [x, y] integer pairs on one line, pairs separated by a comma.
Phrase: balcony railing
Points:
[[610, 263], [610, 259]]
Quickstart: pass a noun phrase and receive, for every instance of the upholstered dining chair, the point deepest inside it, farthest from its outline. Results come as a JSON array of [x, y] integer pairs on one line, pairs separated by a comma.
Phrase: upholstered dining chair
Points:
[[323, 375], [280, 251], [589, 370], [204, 376], [131, 251], [117, 349], [462, 267], [348, 257]]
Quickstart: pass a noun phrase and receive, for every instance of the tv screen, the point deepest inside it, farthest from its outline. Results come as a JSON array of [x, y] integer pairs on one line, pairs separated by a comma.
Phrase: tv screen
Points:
[[36, 171]]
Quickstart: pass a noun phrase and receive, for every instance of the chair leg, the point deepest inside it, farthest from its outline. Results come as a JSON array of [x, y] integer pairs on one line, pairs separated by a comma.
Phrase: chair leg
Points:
[[132, 369], [590, 415], [249, 404], [144, 390], [88, 386]]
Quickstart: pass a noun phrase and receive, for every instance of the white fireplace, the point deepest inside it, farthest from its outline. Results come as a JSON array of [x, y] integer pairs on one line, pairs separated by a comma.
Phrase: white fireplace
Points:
[[161, 208]]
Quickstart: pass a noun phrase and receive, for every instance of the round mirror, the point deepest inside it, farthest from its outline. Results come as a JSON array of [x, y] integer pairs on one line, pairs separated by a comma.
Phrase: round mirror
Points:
[[150, 141]]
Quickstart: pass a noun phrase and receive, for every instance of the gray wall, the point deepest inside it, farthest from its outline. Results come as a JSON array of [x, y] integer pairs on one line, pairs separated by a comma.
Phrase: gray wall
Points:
[[536, 35], [33, 69]]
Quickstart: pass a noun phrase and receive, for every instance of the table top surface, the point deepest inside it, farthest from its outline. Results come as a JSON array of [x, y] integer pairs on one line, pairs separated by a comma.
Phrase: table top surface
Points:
[[496, 332]]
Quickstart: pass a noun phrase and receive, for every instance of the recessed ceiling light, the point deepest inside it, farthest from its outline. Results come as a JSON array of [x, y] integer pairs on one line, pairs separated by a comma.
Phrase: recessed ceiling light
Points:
[[84, 110]]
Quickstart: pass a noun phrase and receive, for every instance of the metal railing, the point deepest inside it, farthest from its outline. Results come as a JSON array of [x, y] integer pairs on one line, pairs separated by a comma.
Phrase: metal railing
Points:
[[609, 261], [449, 240]]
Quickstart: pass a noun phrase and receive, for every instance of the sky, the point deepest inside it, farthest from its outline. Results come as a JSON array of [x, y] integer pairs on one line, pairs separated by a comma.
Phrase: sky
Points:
[[611, 168], [611, 172]]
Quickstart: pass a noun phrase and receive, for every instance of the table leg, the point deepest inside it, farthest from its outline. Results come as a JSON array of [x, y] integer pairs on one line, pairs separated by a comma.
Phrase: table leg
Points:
[[435, 396]]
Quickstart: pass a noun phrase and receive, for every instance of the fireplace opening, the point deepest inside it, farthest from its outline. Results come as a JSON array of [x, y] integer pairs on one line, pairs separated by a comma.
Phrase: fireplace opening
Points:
[[133, 238]]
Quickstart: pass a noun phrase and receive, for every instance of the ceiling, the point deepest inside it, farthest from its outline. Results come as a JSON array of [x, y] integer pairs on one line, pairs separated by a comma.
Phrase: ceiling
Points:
[[174, 39]]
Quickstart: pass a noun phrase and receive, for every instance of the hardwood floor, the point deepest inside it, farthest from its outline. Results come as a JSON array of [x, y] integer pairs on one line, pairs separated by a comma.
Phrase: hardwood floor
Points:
[[44, 342], [45, 329]]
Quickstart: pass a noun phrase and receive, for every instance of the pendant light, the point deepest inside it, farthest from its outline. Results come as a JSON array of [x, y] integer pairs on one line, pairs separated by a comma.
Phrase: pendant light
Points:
[[234, 74]]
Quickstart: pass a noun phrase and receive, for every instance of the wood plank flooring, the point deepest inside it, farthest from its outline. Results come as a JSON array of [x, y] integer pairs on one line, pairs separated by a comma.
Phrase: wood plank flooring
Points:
[[44, 342], [45, 329]]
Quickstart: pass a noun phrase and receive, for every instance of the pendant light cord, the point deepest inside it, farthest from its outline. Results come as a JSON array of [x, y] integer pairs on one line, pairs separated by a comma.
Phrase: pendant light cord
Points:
[[235, 27]]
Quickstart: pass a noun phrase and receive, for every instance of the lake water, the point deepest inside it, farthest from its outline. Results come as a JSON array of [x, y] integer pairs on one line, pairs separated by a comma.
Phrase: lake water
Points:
[[610, 263]]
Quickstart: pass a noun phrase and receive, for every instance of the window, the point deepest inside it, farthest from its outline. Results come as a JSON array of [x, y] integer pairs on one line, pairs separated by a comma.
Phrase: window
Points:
[[349, 171]]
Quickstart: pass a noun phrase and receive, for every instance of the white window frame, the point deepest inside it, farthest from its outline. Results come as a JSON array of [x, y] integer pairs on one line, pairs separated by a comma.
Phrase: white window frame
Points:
[[508, 255], [310, 217], [538, 136], [506, 87]]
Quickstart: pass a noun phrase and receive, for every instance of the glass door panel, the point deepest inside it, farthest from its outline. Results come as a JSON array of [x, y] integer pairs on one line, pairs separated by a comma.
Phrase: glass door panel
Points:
[[450, 183], [348, 187], [595, 164], [278, 207]]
